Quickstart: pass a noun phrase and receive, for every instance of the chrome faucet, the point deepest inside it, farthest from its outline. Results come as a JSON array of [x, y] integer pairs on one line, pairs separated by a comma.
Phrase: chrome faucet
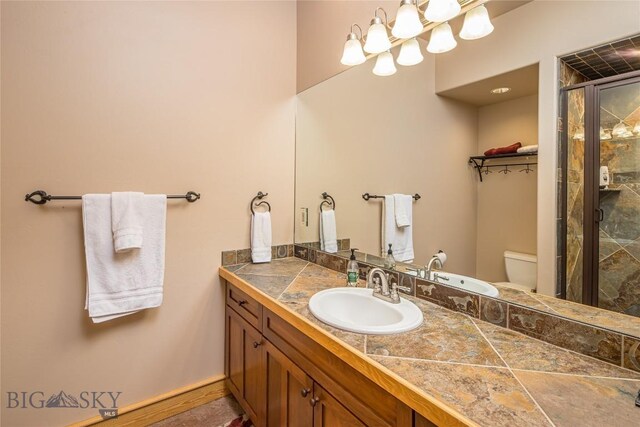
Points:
[[378, 279], [429, 267]]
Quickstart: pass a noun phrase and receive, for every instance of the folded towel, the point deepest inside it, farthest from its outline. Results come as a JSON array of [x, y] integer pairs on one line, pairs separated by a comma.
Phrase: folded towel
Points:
[[528, 149], [328, 231], [119, 284], [513, 148], [401, 239], [126, 220], [403, 204], [261, 237]]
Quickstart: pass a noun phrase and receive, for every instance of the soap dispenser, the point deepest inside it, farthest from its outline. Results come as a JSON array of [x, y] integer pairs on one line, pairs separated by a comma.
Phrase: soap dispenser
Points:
[[390, 261], [352, 270]]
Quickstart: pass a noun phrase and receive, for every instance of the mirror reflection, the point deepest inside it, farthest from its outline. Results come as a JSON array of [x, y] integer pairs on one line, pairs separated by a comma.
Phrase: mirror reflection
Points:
[[443, 184]]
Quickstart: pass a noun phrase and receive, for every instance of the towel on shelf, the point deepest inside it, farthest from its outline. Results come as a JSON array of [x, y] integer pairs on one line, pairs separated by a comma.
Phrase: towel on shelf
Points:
[[403, 204], [528, 149], [328, 231], [119, 284], [126, 220], [510, 149], [261, 237], [401, 239]]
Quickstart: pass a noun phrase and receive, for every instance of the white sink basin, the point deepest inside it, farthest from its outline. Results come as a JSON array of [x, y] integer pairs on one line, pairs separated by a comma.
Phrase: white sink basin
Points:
[[467, 283], [357, 310]]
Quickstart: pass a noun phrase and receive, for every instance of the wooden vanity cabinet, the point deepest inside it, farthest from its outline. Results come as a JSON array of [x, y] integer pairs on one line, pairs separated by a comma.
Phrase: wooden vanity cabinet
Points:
[[281, 377], [244, 362]]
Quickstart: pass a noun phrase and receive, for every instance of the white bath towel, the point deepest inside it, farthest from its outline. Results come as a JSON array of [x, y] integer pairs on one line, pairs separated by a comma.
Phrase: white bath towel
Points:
[[119, 284], [261, 237], [530, 149], [328, 231], [401, 239], [126, 220], [403, 204]]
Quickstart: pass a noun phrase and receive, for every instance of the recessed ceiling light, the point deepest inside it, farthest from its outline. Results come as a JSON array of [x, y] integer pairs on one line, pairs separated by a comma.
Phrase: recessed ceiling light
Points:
[[500, 90]]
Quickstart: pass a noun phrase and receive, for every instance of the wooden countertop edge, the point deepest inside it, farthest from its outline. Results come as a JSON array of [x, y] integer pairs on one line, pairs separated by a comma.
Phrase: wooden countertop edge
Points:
[[428, 406]]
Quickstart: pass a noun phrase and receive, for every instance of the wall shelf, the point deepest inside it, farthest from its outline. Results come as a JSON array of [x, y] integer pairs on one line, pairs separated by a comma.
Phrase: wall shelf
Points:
[[479, 162]]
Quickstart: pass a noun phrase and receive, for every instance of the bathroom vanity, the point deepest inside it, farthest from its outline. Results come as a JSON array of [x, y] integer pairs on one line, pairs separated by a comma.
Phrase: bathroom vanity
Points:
[[287, 368]]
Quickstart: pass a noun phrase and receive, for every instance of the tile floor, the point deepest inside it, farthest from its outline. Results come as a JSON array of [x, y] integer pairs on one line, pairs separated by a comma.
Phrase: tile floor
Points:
[[213, 414]]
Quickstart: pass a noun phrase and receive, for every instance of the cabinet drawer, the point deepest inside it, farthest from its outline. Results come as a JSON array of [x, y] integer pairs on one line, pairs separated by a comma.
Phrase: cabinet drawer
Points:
[[245, 306], [373, 405]]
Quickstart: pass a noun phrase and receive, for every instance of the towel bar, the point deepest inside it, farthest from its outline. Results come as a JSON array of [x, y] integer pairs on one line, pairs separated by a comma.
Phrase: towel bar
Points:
[[40, 197], [368, 196]]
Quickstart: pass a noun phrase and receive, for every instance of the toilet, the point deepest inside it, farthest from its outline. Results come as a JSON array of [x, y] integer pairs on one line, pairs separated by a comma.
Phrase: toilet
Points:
[[521, 271]]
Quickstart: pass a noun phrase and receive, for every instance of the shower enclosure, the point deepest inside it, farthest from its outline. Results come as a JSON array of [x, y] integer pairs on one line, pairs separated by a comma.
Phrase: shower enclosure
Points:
[[601, 193]]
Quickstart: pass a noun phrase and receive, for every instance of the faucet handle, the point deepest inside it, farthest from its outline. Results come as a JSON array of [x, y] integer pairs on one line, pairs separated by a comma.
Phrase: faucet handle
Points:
[[395, 297]]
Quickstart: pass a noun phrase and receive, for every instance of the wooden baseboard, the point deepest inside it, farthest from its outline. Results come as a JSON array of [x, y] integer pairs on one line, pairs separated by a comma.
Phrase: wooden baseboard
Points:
[[163, 406]]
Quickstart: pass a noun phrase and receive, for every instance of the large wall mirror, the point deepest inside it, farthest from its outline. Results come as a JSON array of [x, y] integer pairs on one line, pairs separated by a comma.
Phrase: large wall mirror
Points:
[[358, 133]]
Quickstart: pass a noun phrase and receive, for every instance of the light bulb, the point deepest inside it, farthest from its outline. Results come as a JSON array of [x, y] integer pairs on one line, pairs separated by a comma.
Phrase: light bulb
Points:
[[352, 53], [441, 39], [377, 37], [410, 53], [441, 10], [407, 23], [476, 24], [384, 65], [620, 129]]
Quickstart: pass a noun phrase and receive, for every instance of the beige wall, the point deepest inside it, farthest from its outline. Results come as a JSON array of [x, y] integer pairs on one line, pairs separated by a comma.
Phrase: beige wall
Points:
[[358, 133], [537, 33], [324, 25], [149, 96], [506, 202]]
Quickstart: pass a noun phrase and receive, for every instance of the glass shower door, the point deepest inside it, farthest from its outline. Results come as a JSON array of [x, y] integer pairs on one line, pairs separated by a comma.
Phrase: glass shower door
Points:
[[618, 210]]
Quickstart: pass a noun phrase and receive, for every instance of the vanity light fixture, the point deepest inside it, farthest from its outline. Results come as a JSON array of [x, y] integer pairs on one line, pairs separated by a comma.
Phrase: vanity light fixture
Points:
[[410, 53], [407, 23], [500, 90], [442, 10], [377, 36], [476, 24], [441, 39], [384, 65], [352, 53]]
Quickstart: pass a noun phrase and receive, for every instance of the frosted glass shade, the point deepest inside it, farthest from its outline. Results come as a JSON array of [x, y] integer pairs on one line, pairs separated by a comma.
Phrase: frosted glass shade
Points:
[[407, 23], [377, 39], [441, 10], [441, 39], [384, 65], [620, 130], [352, 53], [410, 53], [476, 24]]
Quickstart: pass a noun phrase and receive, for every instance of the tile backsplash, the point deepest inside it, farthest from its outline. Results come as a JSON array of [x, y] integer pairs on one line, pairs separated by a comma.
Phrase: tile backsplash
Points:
[[243, 256]]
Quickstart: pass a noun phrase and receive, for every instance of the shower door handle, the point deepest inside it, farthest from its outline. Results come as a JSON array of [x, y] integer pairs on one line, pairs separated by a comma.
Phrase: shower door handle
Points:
[[599, 215]]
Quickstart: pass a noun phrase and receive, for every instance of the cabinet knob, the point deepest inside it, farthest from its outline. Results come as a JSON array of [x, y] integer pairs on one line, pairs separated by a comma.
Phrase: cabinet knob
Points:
[[314, 400], [256, 344], [242, 302], [305, 392]]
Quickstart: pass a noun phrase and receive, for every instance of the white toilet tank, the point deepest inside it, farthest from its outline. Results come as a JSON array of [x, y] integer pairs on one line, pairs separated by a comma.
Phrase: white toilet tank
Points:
[[521, 268]]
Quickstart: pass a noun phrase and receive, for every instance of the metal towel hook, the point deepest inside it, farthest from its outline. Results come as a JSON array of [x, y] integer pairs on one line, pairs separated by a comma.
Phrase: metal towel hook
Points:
[[259, 196], [328, 200]]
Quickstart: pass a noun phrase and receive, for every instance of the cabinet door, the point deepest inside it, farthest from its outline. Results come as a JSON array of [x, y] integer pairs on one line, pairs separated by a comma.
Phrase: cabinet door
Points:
[[328, 412], [245, 368], [289, 391]]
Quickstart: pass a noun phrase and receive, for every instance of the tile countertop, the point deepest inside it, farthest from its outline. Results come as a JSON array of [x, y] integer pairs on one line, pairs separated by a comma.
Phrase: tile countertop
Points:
[[493, 376]]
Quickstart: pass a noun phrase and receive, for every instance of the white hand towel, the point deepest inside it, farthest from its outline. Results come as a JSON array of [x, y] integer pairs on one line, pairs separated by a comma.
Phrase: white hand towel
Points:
[[261, 237], [119, 284], [401, 239], [528, 149], [328, 231], [403, 204], [126, 220]]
